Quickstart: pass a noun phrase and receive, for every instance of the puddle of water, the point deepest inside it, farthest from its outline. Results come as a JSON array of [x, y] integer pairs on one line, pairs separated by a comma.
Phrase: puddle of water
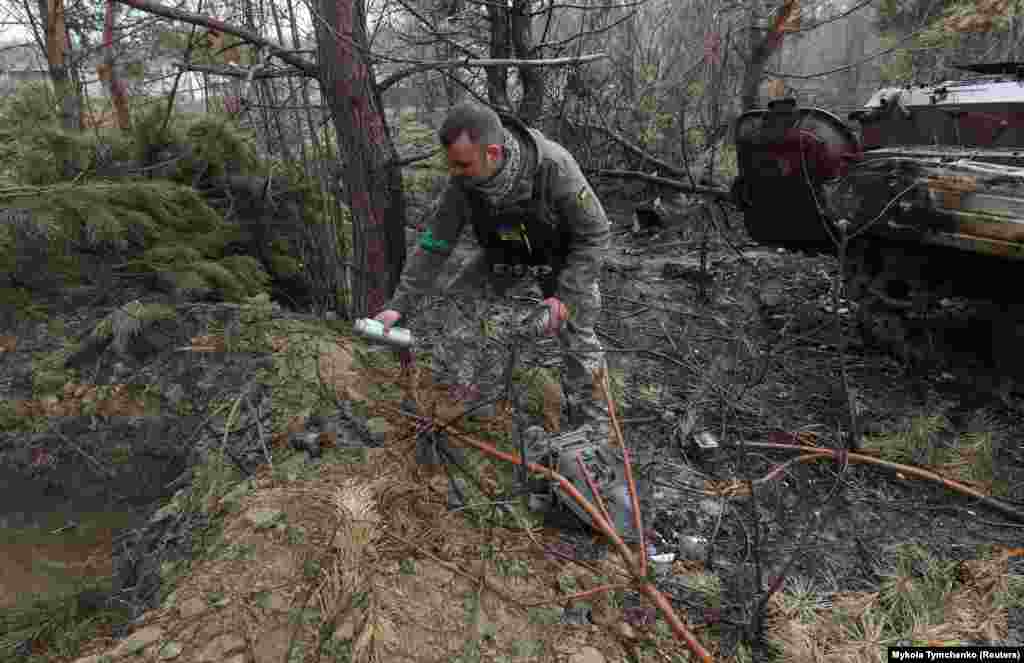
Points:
[[49, 545]]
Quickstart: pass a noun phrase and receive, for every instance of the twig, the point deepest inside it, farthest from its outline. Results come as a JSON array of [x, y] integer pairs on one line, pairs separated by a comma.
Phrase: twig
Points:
[[635, 149], [605, 528], [633, 314], [580, 595], [714, 534], [304, 66], [177, 79], [454, 569], [593, 488], [675, 348], [305, 601], [259, 429], [102, 470], [921, 473], [782, 468], [230, 420], [483, 62], [602, 378], [663, 181], [808, 531]]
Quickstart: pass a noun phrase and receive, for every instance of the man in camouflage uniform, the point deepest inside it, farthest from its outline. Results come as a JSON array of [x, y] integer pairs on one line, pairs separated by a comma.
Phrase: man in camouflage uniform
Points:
[[534, 214]]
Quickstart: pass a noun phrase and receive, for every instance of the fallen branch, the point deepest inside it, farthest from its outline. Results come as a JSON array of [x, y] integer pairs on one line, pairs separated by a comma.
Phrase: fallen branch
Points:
[[602, 378], [920, 472], [643, 585], [715, 192], [636, 566]]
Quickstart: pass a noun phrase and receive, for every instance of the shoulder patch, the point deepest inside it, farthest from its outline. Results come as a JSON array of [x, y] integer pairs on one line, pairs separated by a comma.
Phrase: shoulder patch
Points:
[[429, 243], [585, 200]]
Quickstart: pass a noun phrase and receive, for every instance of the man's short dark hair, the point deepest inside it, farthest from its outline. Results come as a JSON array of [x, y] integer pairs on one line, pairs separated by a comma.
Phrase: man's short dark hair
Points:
[[480, 123]]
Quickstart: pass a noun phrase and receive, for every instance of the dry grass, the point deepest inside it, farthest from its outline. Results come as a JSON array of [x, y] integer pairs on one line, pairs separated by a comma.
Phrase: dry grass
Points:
[[373, 566], [923, 600]]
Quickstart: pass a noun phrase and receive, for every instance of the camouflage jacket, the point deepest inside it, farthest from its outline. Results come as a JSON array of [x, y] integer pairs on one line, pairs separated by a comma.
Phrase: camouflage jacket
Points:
[[572, 200]]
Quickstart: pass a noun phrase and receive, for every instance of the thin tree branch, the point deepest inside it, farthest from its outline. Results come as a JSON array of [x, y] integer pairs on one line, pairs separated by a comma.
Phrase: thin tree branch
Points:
[[715, 192], [625, 5], [869, 58], [635, 149], [484, 62], [409, 160], [305, 66], [234, 72], [837, 17]]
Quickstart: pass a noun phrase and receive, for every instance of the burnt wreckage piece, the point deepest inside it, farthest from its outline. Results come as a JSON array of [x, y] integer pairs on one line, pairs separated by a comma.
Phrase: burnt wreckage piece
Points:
[[928, 198]]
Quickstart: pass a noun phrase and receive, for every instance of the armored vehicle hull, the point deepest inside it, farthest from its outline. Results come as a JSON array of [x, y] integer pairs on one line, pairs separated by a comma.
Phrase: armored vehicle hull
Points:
[[925, 202]]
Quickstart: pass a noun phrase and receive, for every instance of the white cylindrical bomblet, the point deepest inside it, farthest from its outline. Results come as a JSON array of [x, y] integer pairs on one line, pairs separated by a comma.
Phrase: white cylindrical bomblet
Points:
[[373, 330]]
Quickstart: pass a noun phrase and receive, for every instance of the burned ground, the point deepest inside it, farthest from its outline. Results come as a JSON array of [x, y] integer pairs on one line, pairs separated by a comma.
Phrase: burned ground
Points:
[[744, 347]]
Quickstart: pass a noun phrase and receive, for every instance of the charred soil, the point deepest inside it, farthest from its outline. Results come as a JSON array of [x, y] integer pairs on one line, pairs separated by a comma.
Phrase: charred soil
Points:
[[345, 548]]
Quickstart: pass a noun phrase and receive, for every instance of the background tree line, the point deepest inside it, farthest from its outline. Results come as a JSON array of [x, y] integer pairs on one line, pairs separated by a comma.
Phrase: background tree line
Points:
[[634, 85]]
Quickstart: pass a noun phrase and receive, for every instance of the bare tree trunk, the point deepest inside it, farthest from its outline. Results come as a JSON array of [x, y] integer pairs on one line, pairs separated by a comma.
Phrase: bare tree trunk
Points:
[[501, 47], [285, 149], [856, 34], [762, 48], [532, 104], [447, 51], [373, 188], [107, 73], [52, 14]]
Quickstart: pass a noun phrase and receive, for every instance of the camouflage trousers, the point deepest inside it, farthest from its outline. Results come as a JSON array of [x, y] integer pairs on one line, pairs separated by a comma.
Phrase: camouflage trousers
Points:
[[479, 316]]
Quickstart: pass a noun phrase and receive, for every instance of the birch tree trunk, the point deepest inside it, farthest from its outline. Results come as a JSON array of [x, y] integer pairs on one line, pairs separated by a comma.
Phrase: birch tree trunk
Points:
[[372, 188]]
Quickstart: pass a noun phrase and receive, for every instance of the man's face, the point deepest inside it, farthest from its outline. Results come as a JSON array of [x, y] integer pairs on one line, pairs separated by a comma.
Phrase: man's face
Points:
[[468, 161]]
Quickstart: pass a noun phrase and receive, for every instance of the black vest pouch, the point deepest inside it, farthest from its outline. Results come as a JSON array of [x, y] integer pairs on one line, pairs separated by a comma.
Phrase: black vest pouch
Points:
[[523, 240]]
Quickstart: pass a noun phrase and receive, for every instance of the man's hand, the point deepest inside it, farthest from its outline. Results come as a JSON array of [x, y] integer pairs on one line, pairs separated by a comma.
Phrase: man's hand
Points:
[[388, 318], [557, 314]]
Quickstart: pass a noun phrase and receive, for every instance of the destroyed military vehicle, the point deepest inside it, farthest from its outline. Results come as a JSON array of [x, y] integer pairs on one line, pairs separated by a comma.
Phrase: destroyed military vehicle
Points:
[[924, 189]]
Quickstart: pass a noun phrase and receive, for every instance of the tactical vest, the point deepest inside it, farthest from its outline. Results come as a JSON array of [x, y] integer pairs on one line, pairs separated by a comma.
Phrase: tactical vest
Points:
[[529, 236]]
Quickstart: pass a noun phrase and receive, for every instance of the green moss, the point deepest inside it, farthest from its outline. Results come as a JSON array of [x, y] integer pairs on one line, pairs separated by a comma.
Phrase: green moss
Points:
[[19, 300], [11, 421]]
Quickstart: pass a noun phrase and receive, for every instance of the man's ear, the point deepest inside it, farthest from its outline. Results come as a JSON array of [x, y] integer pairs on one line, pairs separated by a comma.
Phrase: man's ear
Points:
[[494, 152]]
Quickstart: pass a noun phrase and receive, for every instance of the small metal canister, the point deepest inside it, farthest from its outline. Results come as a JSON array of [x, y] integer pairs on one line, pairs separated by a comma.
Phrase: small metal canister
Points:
[[704, 444], [373, 330]]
